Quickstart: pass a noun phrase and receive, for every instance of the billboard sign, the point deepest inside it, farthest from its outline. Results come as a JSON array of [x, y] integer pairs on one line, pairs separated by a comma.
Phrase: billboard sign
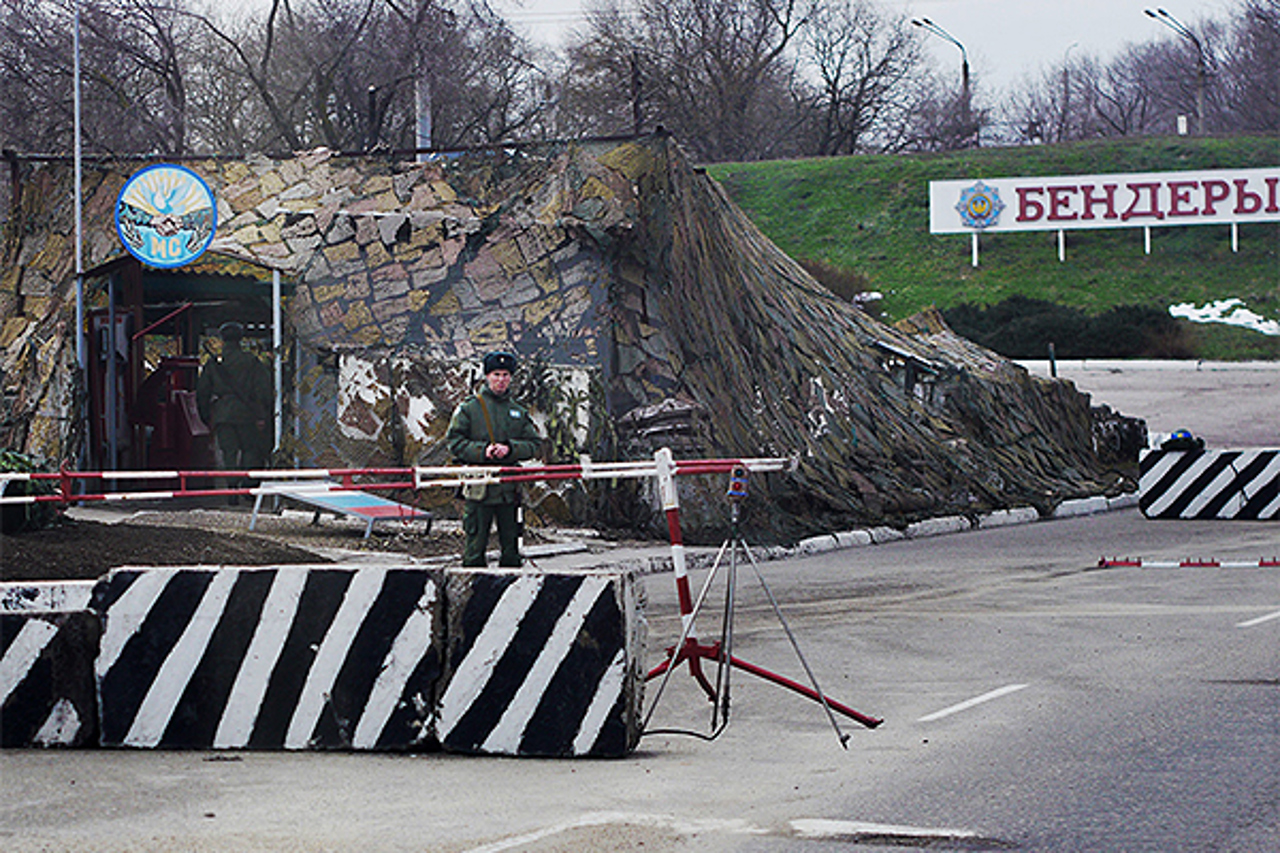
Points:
[[1128, 200]]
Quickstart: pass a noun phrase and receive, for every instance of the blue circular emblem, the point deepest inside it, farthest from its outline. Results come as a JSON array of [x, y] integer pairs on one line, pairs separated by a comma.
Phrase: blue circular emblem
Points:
[[980, 206], [165, 215]]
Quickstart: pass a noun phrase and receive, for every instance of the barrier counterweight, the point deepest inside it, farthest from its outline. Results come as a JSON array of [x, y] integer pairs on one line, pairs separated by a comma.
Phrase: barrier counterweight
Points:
[[289, 657], [1210, 484], [542, 664]]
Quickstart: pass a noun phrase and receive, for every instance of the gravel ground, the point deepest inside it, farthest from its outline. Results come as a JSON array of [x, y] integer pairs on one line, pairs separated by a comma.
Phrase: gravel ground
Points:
[[83, 544]]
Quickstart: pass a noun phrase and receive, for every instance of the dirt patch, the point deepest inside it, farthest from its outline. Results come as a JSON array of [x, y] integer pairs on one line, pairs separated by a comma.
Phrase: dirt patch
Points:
[[78, 548]]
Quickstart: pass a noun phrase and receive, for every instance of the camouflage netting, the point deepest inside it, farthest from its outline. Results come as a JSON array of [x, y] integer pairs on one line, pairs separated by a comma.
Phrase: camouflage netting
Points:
[[647, 309]]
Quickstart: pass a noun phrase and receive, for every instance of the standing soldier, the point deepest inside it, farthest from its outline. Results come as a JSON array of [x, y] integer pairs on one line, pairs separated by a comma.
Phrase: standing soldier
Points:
[[234, 396], [492, 429]]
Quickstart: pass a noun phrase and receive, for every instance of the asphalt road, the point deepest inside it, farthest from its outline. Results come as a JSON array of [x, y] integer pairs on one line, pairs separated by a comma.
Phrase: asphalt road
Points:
[[1032, 701]]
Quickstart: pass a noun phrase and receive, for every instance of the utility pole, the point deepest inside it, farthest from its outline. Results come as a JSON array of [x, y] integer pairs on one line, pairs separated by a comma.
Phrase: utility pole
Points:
[[966, 112], [1201, 66]]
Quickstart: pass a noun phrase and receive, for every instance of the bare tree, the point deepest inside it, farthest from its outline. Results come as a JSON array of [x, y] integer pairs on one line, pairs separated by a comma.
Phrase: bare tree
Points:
[[1059, 105], [1250, 76], [133, 56], [712, 71], [861, 64], [349, 73]]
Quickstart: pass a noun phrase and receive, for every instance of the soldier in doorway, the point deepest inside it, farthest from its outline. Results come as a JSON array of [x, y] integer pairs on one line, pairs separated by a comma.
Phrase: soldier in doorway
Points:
[[234, 397]]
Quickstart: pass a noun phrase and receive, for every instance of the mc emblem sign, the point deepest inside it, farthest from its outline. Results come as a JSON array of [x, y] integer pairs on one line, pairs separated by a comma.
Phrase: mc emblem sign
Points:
[[165, 215]]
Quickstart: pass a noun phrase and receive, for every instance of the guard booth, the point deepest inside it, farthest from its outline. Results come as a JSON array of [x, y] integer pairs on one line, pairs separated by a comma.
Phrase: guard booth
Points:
[[149, 330]]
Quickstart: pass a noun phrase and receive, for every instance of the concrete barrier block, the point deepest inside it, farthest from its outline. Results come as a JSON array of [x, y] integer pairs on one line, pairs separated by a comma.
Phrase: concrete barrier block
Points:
[[853, 538], [45, 596], [816, 545], [938, 526], [1210, 484], [291, 657], [1123, 501], [1005, 517], [46, 678], [1081, 506], [880, 535], [543, 664]]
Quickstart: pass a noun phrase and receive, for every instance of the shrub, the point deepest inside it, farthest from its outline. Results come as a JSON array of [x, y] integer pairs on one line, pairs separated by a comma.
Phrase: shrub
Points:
[[15, 518], [1020, 327]]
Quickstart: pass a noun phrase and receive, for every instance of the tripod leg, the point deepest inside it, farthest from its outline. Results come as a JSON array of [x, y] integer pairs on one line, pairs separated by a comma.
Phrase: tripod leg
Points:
[[870, 722], [807, 692], [687, 647]]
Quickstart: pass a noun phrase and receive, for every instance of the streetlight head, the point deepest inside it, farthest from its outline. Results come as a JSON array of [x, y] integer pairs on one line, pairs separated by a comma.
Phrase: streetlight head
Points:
[[1148, 13]]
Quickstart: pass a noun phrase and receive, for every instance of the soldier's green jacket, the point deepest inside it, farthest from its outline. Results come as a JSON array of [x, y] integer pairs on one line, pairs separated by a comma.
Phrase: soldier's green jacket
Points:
[[468, 435]]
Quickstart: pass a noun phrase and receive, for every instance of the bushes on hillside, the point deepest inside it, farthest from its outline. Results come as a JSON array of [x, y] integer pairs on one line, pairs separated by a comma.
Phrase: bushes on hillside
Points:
[[849, 285], [1020, 327]]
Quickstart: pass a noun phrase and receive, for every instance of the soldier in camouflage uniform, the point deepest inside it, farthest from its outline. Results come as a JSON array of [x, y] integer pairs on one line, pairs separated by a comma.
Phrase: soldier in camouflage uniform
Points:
[[234, 397], [490, 428]]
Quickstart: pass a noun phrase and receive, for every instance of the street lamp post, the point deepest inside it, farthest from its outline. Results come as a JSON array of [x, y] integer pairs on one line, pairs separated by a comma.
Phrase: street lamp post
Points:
[[965, 109], [1201, 71]]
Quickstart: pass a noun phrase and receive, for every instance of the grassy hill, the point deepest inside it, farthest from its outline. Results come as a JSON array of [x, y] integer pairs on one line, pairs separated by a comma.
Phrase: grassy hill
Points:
[[869, 215]]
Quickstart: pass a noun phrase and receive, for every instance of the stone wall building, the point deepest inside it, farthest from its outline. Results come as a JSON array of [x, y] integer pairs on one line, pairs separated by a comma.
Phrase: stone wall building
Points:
[[646, 308]]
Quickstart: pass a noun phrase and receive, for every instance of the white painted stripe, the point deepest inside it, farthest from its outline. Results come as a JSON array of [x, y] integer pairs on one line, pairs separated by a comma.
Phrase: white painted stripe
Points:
[[360, 596], [1259, 620], [126, 615], [406, 652], [679, 826], [817, 828], [505, 736], [1156, 473], [472, 674], [139, 496], [23, 653], [1214, 488], [1182, 484], [969, 703], [61, 726], [605, 698], [180, 664], [269, 635]]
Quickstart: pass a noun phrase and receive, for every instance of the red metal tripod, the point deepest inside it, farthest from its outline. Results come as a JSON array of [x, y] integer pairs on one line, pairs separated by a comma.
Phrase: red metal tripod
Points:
[[689, 650]]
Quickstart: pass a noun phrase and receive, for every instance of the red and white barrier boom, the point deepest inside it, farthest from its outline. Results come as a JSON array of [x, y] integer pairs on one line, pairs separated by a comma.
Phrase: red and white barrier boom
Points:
[[664, 467]]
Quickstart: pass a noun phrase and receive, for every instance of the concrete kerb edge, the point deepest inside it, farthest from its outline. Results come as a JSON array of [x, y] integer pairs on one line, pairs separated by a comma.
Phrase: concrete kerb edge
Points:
[[943, 525]]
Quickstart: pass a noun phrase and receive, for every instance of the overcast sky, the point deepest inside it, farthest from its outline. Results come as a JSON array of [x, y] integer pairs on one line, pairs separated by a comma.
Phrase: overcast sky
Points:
[[1005, 39]]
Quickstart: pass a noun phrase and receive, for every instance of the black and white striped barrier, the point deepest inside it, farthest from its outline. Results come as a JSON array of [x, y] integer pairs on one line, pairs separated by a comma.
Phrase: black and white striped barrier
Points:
[[543, 664], [1210, 484], [319, 657], [46, 678], [269, 658]]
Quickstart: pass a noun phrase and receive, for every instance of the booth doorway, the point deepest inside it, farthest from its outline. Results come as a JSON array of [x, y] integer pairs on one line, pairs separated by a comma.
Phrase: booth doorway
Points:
[[149, 330]]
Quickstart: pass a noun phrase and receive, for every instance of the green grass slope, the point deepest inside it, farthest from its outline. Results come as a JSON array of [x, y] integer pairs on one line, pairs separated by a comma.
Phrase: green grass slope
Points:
[[869, 215]]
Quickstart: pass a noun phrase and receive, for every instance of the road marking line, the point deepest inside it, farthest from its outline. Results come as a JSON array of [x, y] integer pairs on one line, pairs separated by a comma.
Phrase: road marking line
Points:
[[1259, 620], [679, 826], [853, 830], [969, 703]]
